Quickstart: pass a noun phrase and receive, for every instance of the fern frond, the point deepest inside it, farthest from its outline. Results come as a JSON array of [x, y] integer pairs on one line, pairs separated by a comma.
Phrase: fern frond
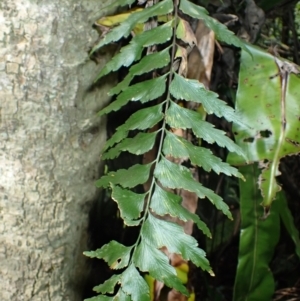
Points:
[[148, 63], [123, 30], [220, 30], [143, 92], [127, 178], [199, 156], [132, 52], [164, 84], [178, 117]]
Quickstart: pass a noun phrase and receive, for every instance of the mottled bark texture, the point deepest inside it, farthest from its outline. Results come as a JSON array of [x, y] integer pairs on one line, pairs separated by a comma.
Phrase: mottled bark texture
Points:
[[50, 141]]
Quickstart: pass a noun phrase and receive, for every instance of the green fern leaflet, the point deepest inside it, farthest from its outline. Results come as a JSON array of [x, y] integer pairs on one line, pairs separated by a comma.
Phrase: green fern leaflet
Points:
[[165, 93]]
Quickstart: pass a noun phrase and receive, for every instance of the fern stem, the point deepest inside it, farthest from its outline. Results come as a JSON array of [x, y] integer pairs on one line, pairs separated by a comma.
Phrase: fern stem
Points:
[[168, 99], [163, 128]]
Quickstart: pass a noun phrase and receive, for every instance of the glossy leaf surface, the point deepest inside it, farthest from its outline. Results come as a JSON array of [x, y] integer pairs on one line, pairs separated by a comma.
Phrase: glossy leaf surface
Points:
[[193, 90], [143, 92], [149, 259], [221, 31], [164, 202], [134, 285], [157, 75], [127, 178], [114, 253], [109, 285], [172, 175], [147, 64], [130, 204], [178, 117], [141, 120], [117, 3], [123, 30], [268, 102], [254, 280], [138, 145], [156, 232], [198, 155], [133, 51]]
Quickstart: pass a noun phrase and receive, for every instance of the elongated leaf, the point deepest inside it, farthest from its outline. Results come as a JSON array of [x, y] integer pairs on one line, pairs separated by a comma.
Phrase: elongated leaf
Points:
[[193, 90], [260, 84], [133, 51], [140, 120], [149, 259], [138, 145], [220, 30], [160, 234], [200, 156], [109, 285], [134, 285], [268, 184], [288, 221], [268, 102], [178, 117], [117, 3], [99, 298], [127, 178], [143, 92], [173, 176], [148, 63], [254, 280], [130, 204], [164, 202], [121, 296], [123, 30], [114, 20], [114, 253]]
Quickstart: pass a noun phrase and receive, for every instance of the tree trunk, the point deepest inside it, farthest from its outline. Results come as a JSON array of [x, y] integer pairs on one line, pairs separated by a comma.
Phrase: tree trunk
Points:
[[50, 141]]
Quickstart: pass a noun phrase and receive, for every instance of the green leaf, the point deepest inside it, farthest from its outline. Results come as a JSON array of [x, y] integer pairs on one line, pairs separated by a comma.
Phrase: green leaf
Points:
[[178, 117], [135, 285], [200, 156], [254, 280], [149, 259], [160, 233], [288, 221], [127, 178], [130, 204], [121, 296], [138, 145], [164, 202], [123, 30], [260, 84], [99, 298], [114, 253], [132, 52], [268, 103], [140, 120], [132, 284], [109, 285], [143, 92], [193, 90], [268, 184], [176, 176], [148, 63], [220, 30], [117, 3]]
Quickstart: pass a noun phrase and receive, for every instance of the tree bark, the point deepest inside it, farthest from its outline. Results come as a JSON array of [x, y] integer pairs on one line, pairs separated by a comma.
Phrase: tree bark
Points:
[[50, 141]]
